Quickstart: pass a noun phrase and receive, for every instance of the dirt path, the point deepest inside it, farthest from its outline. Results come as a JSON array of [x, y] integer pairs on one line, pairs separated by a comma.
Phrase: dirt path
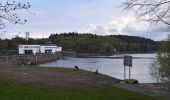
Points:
[[70, 78], [160, 90], [55, 77]]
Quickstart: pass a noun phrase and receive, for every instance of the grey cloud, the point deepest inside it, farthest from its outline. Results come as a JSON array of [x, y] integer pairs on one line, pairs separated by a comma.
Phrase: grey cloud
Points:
[[128, 25], [111, 30]]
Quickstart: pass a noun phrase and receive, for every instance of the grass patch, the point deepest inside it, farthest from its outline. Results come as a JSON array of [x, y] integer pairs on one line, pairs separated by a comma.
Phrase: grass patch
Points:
[[10, 90], [15, 92], [70, 71]]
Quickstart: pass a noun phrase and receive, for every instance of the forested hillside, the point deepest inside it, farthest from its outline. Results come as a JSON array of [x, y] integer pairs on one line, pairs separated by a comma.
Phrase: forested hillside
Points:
[[103, 44], [86, 43]]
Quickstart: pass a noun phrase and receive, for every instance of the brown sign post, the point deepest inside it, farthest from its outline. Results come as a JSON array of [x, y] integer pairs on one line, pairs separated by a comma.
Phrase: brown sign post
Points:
[[127, 62]]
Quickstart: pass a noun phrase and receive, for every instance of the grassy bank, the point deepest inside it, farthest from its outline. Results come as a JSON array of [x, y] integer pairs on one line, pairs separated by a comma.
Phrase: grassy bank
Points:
[[14, 92], [73, 85]]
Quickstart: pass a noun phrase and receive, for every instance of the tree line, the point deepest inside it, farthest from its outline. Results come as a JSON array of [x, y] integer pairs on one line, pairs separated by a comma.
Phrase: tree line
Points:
[[86, 42]]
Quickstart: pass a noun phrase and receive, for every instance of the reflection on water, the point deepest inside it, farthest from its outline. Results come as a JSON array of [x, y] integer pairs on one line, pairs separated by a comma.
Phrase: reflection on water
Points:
[[111, 67]]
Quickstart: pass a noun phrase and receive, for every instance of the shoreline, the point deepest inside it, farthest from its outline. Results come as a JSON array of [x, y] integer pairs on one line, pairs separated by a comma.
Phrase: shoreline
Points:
[[82, 54]]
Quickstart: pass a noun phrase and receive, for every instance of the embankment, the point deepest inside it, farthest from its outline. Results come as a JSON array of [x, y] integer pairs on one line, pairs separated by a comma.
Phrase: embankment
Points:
[[30, 59]]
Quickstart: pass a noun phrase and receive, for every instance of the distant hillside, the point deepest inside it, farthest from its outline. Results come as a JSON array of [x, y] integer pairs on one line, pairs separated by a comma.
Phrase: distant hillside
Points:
[[87, 43], [132, 38], [104, 44]]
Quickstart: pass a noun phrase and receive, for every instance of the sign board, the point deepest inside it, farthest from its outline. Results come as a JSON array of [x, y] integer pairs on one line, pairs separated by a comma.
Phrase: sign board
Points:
[[128, 61]]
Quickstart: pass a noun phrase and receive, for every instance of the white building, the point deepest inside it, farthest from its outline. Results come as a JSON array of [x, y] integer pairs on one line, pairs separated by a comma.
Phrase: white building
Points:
[[36, 49]]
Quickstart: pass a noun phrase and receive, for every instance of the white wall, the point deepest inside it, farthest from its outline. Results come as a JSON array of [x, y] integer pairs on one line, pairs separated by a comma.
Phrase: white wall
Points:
[[53, 48], [42, 49], [59, 49], [38, 49], [35, 48]]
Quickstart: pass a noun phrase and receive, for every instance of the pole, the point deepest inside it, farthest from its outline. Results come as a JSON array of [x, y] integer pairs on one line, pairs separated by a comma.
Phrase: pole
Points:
[[7, 59], [36, 59], [129, 73], [124, 72]]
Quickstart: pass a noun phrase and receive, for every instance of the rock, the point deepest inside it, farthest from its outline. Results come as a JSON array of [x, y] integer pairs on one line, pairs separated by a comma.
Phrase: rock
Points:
[[122, 82], [76, 67], [132, 81]]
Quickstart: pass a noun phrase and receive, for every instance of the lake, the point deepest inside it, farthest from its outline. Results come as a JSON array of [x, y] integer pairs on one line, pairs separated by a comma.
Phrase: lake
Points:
[[111, 67]]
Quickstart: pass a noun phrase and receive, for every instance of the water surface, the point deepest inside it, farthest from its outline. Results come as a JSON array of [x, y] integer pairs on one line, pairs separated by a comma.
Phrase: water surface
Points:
[[111, 67]]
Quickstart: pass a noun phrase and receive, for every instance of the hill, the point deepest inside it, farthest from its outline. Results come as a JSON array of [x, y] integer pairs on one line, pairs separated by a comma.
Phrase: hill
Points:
[[104, 44]]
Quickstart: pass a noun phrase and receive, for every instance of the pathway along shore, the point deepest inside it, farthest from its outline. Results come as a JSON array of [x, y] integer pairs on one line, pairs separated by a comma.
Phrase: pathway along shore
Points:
[[69, 78]]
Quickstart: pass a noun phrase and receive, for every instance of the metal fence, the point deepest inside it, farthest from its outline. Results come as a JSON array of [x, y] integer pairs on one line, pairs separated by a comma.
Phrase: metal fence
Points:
[[6, 59]]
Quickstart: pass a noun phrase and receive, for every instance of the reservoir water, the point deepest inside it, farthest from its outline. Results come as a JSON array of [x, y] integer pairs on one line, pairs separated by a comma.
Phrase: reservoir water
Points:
[[111, 67]]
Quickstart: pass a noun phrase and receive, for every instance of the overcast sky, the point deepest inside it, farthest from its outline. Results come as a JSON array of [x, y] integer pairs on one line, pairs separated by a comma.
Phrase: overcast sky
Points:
[[102, 17]]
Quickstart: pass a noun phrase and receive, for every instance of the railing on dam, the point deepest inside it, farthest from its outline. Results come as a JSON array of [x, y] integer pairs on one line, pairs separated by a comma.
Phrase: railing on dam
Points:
[[30, 59]]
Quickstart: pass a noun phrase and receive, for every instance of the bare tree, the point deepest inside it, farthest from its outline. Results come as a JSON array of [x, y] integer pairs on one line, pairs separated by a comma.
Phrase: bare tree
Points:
[[8, 11], [150, 10], [155, 70], [157, 11], [164, 61]]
